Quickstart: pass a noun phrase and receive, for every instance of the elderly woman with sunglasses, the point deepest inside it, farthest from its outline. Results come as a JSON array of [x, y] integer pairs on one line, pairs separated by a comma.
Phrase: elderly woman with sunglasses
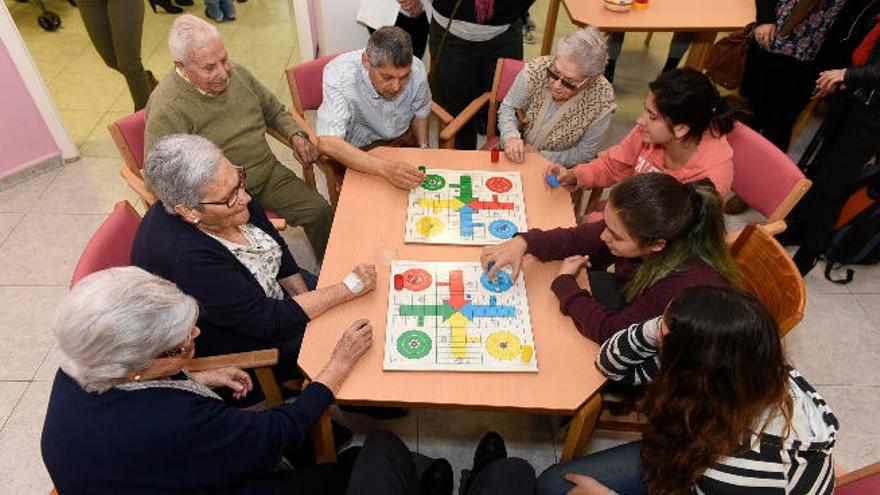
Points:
[[560, 106], [209, 237], [125, 416]]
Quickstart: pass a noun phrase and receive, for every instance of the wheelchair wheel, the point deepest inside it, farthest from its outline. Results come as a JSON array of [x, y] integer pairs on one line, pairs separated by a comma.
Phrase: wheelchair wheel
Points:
[[49, 21]]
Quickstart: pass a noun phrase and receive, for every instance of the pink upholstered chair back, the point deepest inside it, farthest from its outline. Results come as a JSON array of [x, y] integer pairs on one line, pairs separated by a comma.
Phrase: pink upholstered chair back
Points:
[[128, 134], [510, 68], [866, 486], [306, 82], [764, 177], [111, 244]]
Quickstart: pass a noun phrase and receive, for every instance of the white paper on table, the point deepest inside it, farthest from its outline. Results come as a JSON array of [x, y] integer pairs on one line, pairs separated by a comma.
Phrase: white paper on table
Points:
[[378, 13]]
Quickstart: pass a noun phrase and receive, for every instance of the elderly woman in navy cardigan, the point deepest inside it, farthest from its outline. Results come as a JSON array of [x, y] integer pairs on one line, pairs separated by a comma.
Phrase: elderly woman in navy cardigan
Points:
[[209, 237]]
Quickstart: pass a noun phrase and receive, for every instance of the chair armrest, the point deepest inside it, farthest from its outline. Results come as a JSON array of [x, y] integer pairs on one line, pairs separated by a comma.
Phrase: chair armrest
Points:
[[279, 223], [137, 184], [301, 122], [853, 476], [462, 118], [275, 133], [243, 360], [442, 115]]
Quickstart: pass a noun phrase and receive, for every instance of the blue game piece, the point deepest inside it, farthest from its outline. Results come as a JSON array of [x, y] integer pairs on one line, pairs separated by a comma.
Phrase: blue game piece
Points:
[[552, 180]]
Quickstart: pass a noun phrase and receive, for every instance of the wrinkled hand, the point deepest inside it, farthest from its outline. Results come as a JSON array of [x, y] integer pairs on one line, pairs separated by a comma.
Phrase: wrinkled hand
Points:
[[514, 148], [358, 337], [764, 34], [573, 264], [508, 253], [367, 273], [566, 177], [403, 175], [413, 7], [828, 82], [584, 485], [303, 150], [232, 378]]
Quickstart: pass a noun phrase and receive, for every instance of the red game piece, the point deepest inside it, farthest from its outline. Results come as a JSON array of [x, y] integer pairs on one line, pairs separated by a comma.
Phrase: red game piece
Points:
[[398, 282], [495, 154]]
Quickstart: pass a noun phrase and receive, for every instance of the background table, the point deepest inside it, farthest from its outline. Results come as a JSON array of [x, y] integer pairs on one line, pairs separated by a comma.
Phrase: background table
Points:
[[707, 17], [369, 227]]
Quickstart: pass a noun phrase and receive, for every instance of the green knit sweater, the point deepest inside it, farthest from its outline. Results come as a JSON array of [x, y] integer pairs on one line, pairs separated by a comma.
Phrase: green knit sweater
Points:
[[234, 120]]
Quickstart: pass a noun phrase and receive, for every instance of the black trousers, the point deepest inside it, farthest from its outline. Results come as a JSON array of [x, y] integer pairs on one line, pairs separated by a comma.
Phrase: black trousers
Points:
[[851, 137], [778, 88], [417, 28], [386, 466], [464, 70]]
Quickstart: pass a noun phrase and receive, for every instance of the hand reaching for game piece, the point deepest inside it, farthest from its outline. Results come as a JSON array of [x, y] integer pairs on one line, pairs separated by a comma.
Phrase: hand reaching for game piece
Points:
[[508, 253], [566, 177], [403, 175]]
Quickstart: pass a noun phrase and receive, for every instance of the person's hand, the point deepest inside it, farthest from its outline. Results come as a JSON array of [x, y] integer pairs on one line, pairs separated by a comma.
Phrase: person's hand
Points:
[[573, 264], [828, 82], [232, 378], [514, 149], [413, 7], [584, 485], [508, 253], [764, 34], [358, 337], [566, 177], [367, 273], [303, 150], [403, 175]]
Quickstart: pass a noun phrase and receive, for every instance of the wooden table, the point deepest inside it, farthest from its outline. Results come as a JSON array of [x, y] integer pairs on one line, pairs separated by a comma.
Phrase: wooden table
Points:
[[707, 17], [369, 227]]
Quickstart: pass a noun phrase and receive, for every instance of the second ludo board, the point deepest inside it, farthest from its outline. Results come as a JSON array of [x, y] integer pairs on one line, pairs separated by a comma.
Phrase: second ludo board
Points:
[[466, 207]]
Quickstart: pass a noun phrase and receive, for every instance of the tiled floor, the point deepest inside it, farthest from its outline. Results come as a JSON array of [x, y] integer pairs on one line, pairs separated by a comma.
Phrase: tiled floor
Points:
[[45, 222]]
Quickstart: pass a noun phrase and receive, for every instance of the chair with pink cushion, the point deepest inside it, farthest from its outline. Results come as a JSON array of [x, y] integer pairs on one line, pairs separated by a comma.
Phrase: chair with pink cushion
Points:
[[764, 177], [865, 481], [128, 136], [110, 245], [306, 84]]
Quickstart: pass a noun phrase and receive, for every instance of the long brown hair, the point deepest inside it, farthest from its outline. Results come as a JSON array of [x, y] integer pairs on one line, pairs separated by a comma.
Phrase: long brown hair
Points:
[[656, 206], [721, 368]]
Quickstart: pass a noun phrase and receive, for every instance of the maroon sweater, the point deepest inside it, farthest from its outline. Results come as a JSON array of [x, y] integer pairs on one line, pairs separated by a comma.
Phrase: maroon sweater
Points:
[[592, 319]]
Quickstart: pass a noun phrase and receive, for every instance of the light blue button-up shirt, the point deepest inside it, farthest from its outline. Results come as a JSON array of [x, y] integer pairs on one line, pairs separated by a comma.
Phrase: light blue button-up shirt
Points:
[[353, 110]]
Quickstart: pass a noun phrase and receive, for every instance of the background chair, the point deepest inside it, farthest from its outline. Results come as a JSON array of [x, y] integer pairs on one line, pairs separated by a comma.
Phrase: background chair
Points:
[[110, 246], [128, 135], [306, 84], [865, 481]]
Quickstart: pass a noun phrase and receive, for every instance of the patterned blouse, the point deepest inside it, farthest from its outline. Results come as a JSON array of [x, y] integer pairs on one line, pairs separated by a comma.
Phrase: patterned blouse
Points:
[[805, 40], [262, 257]]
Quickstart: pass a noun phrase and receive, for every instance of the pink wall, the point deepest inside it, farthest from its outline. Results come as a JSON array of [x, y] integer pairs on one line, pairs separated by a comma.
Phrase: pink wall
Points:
[[24, 138]]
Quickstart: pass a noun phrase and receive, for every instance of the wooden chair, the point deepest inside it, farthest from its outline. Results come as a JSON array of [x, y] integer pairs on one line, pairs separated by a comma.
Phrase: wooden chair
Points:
[[128, 135], [865, 481], [110, 246], [306, 84]]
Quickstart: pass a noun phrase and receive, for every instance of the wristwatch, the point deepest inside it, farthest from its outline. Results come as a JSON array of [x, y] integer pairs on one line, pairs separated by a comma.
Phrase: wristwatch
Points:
[[424, 145], [302, 134]]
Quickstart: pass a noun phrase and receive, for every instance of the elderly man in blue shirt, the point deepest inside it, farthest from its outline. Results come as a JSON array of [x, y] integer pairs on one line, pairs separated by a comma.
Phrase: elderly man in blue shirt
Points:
[[378, 96]]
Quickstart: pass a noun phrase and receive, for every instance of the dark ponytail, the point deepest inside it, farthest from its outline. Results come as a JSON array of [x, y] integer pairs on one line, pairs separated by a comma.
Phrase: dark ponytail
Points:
[[686, 96]]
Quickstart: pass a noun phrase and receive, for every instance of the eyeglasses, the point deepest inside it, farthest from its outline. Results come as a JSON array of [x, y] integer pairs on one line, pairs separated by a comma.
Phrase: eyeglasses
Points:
[[232, 199], [182, 350], [565, 83]]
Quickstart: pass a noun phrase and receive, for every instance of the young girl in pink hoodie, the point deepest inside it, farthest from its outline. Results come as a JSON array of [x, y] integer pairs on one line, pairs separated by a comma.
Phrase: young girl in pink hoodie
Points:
[[680, 133]]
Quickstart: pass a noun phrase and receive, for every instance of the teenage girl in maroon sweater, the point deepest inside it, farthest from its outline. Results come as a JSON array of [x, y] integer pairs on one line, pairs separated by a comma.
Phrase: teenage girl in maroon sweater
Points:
[[660, 235]]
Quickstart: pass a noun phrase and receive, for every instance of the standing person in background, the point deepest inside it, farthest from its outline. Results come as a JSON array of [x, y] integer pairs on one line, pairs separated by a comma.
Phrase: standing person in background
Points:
[[413, 19], [781, 65], [463, 60], [681, 41]]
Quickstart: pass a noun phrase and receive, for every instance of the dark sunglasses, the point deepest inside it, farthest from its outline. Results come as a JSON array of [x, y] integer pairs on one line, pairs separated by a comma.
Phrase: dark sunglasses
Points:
[[567, 84], [232, 199]]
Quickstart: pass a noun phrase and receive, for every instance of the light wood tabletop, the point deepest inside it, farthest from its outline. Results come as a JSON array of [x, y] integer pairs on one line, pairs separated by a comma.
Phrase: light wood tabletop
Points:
[[369, 227], [708, 17]]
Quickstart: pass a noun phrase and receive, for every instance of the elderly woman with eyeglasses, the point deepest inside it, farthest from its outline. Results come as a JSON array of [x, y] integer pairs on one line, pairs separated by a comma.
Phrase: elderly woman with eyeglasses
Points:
[[561, 105], [125, 416], [209, 237]]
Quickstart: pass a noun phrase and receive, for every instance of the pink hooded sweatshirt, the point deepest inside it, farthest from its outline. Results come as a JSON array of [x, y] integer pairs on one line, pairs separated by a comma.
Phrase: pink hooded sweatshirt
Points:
[[713, 159]]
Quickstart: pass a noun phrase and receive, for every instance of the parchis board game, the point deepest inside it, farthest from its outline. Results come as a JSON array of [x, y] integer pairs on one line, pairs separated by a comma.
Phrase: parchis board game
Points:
[[466, 207], [452, 316]]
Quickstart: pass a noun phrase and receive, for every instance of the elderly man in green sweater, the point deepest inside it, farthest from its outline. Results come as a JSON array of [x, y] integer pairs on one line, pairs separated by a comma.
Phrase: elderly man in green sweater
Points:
[[210, 96]]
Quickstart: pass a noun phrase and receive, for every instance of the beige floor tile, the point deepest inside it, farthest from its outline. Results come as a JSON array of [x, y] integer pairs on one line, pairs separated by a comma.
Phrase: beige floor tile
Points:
[[25, 328], [8, 222], [10, 393], [25, 196], [871, 305], [99, 144], [866, 280], [45, 247], [361, 425], [855, 408], [24, 472], [90, 185], [855, 450], [87, 90], [81, 123], [49, 366]]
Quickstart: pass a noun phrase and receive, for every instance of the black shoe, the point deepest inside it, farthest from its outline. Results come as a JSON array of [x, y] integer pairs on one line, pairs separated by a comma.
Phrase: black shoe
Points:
[[184, 3], [490, 449], [377, 412], [165, 4], [437, 478]]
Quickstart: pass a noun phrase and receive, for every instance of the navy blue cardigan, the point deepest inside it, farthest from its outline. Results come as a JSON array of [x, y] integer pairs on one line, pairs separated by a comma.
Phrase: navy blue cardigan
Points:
[[236, 315], [163, 441]]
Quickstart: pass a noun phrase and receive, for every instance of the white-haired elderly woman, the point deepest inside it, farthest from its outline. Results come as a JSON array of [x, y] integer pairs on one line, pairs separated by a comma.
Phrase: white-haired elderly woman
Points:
[[209, 237], [125, 416], [566, 101]]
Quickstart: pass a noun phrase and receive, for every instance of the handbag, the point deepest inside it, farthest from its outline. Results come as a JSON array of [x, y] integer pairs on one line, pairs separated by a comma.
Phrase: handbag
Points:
[[727, 59]]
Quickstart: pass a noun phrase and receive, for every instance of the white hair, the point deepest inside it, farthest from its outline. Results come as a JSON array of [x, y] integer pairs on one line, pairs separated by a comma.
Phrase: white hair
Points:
[[587, 48], [116, 321], [188, 33], [179, 167]]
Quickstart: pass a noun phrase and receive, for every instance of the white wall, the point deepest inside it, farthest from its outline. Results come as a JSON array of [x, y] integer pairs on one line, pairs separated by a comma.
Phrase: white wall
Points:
[[335, 21]]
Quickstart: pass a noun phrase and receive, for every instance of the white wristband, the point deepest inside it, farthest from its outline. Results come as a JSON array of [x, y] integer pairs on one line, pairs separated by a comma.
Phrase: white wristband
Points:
[[354, 283]]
